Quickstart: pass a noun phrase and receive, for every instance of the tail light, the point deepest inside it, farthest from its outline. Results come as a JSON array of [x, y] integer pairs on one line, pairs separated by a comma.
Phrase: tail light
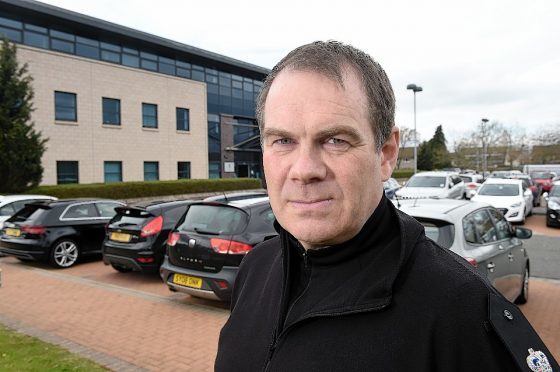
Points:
[[472, 261], [34, 230], [225, 246], [146, 259], [173, 238], [153, 227], [472, 185]]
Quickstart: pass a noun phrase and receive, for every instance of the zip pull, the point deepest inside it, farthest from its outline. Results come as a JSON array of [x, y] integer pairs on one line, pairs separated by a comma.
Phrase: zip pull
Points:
[[305, 260]]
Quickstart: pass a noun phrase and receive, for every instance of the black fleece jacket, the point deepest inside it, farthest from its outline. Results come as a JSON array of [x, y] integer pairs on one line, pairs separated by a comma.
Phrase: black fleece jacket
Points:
[[389, 299]]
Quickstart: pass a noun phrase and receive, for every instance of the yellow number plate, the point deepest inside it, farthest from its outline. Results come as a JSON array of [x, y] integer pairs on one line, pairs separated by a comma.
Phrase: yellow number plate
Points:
[[187, 281], [13, 232], [120, 237]]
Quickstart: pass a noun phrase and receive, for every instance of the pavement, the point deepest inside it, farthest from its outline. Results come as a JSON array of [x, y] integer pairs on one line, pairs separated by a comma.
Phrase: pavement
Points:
[[131, 322]]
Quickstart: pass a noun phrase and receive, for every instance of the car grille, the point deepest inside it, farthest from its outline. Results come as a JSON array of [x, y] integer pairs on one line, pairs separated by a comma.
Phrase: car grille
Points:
[[503, 210]]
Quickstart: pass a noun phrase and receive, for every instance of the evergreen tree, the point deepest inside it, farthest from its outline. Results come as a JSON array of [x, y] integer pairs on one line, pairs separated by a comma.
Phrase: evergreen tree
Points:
[[21, 147], [440, 154], [425, 156]]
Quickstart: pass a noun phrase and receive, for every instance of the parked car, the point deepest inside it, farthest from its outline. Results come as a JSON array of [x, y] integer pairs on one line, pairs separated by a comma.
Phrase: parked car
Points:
[[206, 247], [137, 235], [433, 185], [390, 187], [543, 179], [10, 204], [505, 174], [59, 231], [225, 198], [536, 189], [472, 183], [510, 196], [553, 207], [479, 233]]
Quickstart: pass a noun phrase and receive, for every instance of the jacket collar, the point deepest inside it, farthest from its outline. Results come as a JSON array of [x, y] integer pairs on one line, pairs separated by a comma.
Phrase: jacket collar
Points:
[[357, 275]]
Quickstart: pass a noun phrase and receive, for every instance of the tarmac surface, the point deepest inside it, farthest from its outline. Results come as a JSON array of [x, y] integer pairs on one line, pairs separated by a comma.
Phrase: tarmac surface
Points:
[[132, 322]]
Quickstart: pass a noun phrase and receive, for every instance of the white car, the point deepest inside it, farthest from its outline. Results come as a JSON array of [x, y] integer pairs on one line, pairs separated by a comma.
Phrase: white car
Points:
[[10, 204], [509, 196], [472, 183], [437, 185]]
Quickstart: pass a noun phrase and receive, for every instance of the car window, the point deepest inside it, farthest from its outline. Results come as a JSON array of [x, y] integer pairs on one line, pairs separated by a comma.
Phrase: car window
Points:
[[214, 219], [495, 189], [478, 228], [107, 209], [174, 214], [467, 178], [268, 216], [426, 181], [78, 211], [503, 227], [29, 213], [7, 210]]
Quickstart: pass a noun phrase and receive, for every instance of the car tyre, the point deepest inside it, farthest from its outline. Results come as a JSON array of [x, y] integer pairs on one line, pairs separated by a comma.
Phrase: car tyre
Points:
[[64, 253], [524, 295], [121, 269]]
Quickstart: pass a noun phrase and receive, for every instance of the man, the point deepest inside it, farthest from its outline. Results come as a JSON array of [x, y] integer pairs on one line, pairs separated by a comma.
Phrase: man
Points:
[[352, 284]]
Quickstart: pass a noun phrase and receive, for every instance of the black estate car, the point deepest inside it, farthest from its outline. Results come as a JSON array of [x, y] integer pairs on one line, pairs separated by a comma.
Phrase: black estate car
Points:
[[207, 245], [57, 231], [137, 235]]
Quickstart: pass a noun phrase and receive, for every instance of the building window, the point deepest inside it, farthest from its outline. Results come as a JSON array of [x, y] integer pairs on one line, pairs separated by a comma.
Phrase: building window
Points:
[[67, 172], [183, 169], [65, 106], [112, 171], [151, 171], [111, 111], [149, 115], [182, 119]]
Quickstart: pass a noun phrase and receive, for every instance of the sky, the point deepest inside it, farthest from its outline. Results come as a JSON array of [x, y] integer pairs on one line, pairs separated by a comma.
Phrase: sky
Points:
[[494, 59]]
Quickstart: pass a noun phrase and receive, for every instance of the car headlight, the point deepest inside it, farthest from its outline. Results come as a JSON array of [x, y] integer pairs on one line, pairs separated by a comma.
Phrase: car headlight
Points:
[[553, 204], [518, 204]]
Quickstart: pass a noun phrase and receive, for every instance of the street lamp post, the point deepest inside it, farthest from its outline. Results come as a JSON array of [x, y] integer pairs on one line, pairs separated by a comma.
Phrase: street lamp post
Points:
[[415, 88], [484, 134]]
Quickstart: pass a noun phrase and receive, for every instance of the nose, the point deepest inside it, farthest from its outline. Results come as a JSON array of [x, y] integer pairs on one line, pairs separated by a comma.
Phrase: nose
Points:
[[308, 165]]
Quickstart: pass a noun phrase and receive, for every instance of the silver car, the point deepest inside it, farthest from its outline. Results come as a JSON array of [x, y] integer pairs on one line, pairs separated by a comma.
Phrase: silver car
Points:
[[479, 233]]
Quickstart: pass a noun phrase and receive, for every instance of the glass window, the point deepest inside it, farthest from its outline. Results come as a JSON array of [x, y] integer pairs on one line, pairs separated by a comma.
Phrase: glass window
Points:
[[36, 39], [11, 34], [183, 64], [166, 68], [87, 51], [7, 210], [150, 56], [107, 209], [214, 169], [214, 219], [111, 111], [151, 171], [183, 169], [112, 47], [197, 73], [182, 72], [80, 211], [62, 46], [149, 115], [67, 172], [213, 79], [248, 87], [62, 35], [65, 106], [130, 51], [503, 227], [110, 56], [112, 171], [130, 60], [10, 23], [237, 84], [478, 228], [182, 119], [148, 65]]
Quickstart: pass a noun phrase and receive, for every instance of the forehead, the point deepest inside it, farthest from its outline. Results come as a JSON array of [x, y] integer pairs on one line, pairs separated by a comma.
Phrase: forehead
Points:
[[304, 95]]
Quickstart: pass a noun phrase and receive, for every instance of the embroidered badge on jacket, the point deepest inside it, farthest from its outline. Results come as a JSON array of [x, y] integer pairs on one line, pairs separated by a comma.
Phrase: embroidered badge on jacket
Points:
[[538, 362]]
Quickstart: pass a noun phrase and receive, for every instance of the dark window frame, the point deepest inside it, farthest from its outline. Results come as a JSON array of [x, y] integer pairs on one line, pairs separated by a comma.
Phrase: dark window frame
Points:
[[59, 174], [106, 119], [183, 122], [57, 106], [145, 123]]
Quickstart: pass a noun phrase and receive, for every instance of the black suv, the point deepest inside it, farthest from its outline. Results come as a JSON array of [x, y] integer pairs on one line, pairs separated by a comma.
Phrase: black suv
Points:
[[137, 235], [57, 231], [207, 245]]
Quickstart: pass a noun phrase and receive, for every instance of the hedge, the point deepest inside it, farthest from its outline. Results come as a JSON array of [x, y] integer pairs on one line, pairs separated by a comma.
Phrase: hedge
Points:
[[128, 190], [402, 173]]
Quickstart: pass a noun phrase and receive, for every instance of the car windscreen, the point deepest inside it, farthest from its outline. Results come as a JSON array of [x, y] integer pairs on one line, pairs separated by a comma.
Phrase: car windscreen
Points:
[[440, 232], [426, 181], [214, 220], [541, 175], [30, 212], [555, 191], [466, 178], [499, 189], [130, 217]]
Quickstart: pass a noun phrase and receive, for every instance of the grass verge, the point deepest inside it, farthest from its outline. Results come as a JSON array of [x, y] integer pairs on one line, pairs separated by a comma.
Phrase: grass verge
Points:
[[19, 352]]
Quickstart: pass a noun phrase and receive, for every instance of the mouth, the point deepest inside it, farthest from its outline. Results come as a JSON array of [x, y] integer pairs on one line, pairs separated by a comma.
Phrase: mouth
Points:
[[311, 204]]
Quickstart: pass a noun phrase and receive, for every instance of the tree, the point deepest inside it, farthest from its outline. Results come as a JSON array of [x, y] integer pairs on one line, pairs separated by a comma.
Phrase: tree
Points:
[[21, 147], [407, 139], [434, 154]]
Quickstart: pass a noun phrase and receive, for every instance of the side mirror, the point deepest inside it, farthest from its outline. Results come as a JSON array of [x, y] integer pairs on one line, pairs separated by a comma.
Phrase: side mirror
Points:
[[523, 233]]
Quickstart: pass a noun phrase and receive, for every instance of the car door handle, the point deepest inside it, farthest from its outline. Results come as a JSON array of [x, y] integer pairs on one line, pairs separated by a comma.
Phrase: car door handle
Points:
[[510, 256], [491, 266]]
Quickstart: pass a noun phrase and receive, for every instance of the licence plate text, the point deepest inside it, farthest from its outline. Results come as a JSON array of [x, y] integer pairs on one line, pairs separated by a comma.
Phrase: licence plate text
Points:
[[187, 281]]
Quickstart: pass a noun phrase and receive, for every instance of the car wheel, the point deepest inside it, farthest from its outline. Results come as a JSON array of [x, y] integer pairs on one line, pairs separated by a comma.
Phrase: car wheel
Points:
[[524, 295], [121, 269], [64, 253]]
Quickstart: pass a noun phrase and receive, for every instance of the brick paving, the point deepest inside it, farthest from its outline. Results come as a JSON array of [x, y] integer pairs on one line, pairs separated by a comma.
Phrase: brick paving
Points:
[[131, 322]]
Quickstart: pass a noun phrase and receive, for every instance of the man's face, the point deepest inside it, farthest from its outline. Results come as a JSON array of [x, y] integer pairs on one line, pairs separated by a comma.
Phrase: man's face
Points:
[[323, 173]]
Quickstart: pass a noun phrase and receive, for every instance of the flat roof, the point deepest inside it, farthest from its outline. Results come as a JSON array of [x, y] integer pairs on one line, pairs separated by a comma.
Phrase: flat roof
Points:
[[94, 27]]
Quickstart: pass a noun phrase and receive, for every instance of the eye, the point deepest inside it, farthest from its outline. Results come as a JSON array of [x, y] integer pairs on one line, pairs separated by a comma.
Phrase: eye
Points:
[[336, 141], [282, 141]]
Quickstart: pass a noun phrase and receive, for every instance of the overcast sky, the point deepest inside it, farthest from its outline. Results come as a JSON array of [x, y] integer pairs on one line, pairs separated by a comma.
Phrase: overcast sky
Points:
[[495, 59]]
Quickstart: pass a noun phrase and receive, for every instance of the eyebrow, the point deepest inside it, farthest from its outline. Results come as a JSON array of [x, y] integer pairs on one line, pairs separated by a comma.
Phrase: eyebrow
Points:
[[328, 132]]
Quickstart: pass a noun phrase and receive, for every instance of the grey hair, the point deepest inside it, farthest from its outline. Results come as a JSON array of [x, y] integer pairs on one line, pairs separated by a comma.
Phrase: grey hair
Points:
[[330, 58]]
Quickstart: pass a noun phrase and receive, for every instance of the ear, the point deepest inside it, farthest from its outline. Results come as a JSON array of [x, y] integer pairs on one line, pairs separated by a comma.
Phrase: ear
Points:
[[389, 153]]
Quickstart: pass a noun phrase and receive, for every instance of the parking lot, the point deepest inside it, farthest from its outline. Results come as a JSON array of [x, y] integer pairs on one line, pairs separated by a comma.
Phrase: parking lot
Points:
[[133, 322]]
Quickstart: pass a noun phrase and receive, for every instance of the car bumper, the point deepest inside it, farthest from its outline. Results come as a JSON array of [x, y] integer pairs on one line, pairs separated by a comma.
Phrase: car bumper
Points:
[[552, 217], [130, 256], [23, 248], [209, 289], [515, 214]]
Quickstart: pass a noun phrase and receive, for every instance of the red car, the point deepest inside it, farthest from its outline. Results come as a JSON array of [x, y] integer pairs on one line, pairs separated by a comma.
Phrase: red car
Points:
[[543, 179]]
